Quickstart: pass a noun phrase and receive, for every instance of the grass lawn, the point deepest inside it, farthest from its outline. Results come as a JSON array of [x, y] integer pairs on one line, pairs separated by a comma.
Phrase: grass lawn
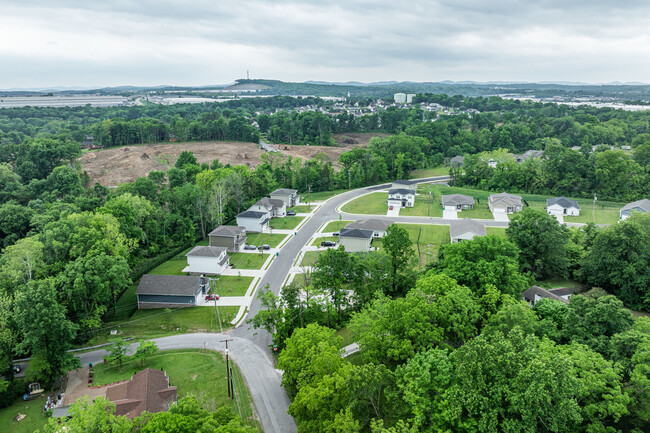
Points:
[[286, 223], [373, 203], [272, 239], [335, 226], [321, 196], [377, 243], [176, 264], [194, 372], [302, 208], [431, 237], [316, 242], [430, 172], [230, 285], [423, 208], [497, 231], [348, 336], [162, 322], [310, 258], [32, 422], [247, 260]]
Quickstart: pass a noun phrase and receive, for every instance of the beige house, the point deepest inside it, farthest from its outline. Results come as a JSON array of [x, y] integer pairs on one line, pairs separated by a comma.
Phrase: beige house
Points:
[[504, 202], [355, 240]]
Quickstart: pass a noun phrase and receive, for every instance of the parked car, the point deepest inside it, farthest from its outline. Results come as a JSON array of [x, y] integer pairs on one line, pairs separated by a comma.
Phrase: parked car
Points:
[[328, 244], [212, 298], [291, 213], [16, 369], [250, 247], [390, 207], [264, 247], [335, 234]]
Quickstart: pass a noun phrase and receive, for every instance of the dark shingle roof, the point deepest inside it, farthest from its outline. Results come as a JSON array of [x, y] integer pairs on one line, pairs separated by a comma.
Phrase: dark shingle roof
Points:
[[205, 251], [228, 231], [400, 191], [562, 201], [284, 191], [355, 233], [370, 224], [456, 199], [542, 293], [269, 203], [458, 227], [563, 291], [174, 285], [505, 199], [251, 214]]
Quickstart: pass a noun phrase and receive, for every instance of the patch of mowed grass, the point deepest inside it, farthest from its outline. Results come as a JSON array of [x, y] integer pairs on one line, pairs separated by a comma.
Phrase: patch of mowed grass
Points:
[[34, 419], [310, 258], [272, 239], [431, 237], [231, 285], [253, 260], [430, 172], [371, 204], [201, 373], [335, 226], [285, 223], [496, 231]]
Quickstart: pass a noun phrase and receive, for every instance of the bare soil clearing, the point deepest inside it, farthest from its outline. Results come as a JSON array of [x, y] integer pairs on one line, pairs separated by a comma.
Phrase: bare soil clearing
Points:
[[125, 164]]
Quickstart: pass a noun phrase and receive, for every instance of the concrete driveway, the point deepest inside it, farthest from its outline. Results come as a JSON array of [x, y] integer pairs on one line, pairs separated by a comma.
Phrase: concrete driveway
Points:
[[450, 214], [393, 212], [500, 216]]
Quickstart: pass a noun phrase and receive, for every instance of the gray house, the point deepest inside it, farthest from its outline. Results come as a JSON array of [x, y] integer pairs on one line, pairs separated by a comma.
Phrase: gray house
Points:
[[457, 161], [272, 206], [355, 240], [166, 291], [504, 202], [457, 202], [231, 237], [290, 197], [465, 230], [377, 226], [641, 206]]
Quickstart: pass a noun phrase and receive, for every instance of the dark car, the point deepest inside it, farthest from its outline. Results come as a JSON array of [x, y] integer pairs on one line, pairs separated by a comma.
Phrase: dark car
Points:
[[250, 247], [328, 244], [264, 247], [291, 213], [16, 369], [335, 234]]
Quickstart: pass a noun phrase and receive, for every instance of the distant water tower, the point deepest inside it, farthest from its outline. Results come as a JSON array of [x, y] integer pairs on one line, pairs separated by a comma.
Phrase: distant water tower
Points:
[[400, 98]]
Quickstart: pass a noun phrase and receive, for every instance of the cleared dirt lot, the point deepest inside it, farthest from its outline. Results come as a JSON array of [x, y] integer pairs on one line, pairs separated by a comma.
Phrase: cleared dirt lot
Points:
[[125, 164]]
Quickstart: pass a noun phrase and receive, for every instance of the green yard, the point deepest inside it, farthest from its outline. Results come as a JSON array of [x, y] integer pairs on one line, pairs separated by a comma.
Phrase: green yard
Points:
[[310, 258], [431, 237], [424, 206], [231, 285], [316, 242], [201, 373], [286, 223], [347, 335], [247, 260], [335, 226], [302, 208], [273, 239], [176, 264], [496, 231], [373, 204], [430, 172], [166, 321], [32, 422]]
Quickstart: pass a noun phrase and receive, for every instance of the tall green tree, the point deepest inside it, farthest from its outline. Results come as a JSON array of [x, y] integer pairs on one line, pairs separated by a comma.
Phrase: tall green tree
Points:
[[399, 249]]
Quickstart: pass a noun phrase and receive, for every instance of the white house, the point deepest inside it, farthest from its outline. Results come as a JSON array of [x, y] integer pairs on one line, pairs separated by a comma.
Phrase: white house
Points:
[[562, 206], [465, 230], [253, 221], [401, 197], [290, 197], [377, 226], [355, 240], [271, 206], [504, 202], [641, 206], [207, 260], [457, 202]]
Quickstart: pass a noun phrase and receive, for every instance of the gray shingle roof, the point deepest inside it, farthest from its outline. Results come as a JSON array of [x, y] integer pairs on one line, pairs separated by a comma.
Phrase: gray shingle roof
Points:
[[456, 199], [270, 203], [506, 199], [542, 293], [643, 204], [562, 201], [251, 214], [355, 233], [458, 227], [400, 191], [563, 291], [457, 160], [175, 285], [204, 251], [228, 231], [285, 191], [370, 224]]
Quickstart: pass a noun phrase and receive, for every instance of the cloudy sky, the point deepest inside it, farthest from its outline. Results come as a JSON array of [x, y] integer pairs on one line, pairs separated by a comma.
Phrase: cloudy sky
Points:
[[201, 42]]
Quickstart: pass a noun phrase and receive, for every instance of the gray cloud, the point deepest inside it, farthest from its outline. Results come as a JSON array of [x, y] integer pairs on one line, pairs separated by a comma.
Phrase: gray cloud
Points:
[[173, 42]]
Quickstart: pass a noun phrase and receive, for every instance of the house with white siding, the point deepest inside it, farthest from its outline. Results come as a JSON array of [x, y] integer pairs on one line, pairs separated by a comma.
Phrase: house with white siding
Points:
[[290, 197], [205, 260], [562, 206], [273, 207], [253, 221], [465, 230], [401, 197]]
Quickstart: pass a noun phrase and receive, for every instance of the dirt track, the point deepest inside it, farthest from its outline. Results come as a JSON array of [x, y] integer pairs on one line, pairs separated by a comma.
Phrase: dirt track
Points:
[[125, 164]]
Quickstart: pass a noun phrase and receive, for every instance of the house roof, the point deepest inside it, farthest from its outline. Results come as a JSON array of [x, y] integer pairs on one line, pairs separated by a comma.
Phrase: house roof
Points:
[[457, 159], [542, 293], [285, 191], [205, 251], [562, 201], [405, 182], [269, 203], [400, 191], [506, 199], [228, 231], [563, 291], [533, 154], [458, 227], [642, 204], [456, 199], [370, 224], [148, 390], [174, 285], [355, 233], [251, 214]]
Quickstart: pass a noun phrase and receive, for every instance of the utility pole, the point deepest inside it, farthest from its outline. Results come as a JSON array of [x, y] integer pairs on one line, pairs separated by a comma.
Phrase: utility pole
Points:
[[593, 210], [228, 369], [309, 195], [217, 317]]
